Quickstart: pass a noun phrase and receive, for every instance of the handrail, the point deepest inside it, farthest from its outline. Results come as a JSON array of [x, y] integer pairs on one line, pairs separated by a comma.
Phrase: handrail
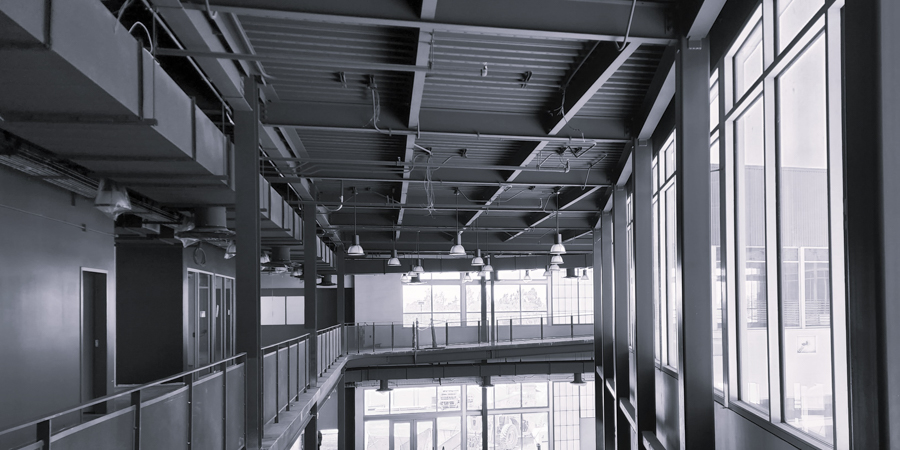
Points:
[[466, 321], [298, 339], [242, 357], [333, 327]]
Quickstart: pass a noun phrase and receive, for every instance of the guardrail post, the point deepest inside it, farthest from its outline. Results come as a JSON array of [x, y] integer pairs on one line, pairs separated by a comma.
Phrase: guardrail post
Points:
[[542, 328], [392, 336], [446, 334], [136, 403], [416, 335], [277, 379], [189, 379], [373, 337], [572, 326], [224, 408], [433, 335], [43, 434], [510, 330], [358, 338]]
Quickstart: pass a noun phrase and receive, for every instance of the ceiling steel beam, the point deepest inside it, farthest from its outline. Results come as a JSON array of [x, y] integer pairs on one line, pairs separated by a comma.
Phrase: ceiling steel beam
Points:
[[585, 21], [658, 96], [562, 182], [343, 118], [599, 66], [423, 58], [567, 199]]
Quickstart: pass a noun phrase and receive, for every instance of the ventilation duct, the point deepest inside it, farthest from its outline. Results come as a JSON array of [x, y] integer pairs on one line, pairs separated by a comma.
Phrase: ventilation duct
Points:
[[209, 225]]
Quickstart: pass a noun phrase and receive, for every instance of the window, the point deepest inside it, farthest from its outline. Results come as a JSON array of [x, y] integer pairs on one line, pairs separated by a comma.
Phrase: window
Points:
[[776, 129], [282, 310], [664, 257], [573, 298], [425, 303]]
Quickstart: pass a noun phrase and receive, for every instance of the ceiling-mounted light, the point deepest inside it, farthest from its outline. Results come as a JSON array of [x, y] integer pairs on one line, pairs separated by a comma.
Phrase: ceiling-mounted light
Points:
[[457, 249], [572, 272], [418, 268], [406, 276], [556, 259], [558, 248], [468, 277], [553, 268], [231, 251], [578, 378], [264, 258], [527, 275], [584, 275], [477, 261], [415, 279], [488, 268], [297, 273], [355, 249], [395, 260]]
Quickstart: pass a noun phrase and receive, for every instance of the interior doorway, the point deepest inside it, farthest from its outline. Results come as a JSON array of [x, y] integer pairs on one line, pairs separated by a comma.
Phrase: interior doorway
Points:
[[94, 345]]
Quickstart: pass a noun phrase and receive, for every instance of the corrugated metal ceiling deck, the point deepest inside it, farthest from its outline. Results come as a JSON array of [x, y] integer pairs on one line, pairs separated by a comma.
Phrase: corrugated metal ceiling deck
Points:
[[622, 94]]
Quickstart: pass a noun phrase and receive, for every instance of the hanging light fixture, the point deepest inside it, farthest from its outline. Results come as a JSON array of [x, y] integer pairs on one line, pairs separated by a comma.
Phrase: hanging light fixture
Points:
[[264, 258], [477, 261], [488, 268], [584, 275], [457, 249], [355, 249], [527, 275], [405, 278], [418, 268], [468, 277], [578, 378], [553, 268], [384, 387], [558, 248], [395, 259], [556, 259]]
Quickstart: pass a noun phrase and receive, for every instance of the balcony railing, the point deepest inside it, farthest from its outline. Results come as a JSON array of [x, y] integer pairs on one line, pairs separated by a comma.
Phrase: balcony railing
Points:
[[385, 337], [284, 374], [329, 344], [166, 413]]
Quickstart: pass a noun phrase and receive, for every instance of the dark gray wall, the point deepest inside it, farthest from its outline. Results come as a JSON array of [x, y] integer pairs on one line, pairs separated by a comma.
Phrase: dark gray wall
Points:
[[149, 296], [734, 432], [326, 309], [43, 249]]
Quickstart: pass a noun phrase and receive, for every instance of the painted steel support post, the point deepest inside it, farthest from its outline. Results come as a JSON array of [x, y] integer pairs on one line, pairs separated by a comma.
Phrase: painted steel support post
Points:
[[645, 384], [311, 432], [607, 315], [599, 380], [870, 69], [341, 300], [342, 413], [694, 291], [620, 308], [347, 436], [309, 292], [247, 300], [483, 337]]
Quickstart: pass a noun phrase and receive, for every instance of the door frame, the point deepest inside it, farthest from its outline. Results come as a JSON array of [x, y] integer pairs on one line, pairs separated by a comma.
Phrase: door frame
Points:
[[110, 353]]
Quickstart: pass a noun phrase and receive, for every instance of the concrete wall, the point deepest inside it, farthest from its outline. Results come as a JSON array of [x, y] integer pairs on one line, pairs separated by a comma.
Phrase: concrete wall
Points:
[[47, 236], [379, 298]]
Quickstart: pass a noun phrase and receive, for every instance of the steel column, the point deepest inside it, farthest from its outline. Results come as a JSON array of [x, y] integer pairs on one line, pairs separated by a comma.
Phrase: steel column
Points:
[[645, 383], [247, 300], [599, 377], [620, 314], [607, 327], [309, 291], [342, 413], [311, 432], [341, 300], [694, 292]]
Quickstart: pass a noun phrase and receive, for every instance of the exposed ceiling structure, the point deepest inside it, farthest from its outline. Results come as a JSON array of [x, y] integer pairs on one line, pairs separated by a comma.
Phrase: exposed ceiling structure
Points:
[[406, 122]]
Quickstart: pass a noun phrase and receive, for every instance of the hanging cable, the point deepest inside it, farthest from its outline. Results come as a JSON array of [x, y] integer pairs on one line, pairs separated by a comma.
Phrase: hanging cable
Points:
[[628, 29]]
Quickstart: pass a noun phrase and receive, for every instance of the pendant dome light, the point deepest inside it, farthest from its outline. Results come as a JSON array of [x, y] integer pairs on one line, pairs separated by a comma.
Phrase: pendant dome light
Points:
[[477, 261], [418, 267], [584, 275], [488, 268], [395, 259], [468, 277], [527, 275], [457, 249], [355, 249], [558, 248], [556, 259]]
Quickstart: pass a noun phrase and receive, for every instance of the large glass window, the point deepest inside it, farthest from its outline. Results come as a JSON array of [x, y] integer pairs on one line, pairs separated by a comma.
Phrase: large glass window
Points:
[[803, 211], [776, 128], [432, 302], [664, 256]]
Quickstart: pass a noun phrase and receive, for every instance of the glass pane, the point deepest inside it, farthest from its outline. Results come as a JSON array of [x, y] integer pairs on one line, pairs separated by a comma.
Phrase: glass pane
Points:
[[473, 398], [473, 432], [506, 297], [507, 396], [449, 398], [445, 298], [793, 15], [534, 395], [714, 103], [416, 298], [473, 303], [534, 297], [376, 402], [507, 431], [449, 433], [377, 435], [408, 400], [748, 61], [671, 281], [803, 207], [401, 436], [752, 308], [425, 435], [656, 282], [717, 270], [535, 431]]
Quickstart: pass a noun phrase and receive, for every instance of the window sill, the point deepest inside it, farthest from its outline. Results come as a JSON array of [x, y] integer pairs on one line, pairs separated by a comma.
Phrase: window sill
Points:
[[668, 370], [782, 431]]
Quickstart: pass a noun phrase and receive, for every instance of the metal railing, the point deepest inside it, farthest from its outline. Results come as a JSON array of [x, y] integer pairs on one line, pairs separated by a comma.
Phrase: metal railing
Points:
[[137, 417], [284, 374], [414, 335], [329, 346]]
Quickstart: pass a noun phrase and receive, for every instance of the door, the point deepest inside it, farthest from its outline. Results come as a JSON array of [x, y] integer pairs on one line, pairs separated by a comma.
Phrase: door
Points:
[[94, 337]]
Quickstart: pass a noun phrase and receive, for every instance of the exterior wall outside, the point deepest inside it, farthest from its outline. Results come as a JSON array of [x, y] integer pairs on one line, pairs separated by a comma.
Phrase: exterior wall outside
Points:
[[43, 251]]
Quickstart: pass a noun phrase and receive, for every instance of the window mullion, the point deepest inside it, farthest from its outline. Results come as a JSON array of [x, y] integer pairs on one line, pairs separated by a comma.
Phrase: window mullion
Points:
[[728, 241], [772, 263]]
